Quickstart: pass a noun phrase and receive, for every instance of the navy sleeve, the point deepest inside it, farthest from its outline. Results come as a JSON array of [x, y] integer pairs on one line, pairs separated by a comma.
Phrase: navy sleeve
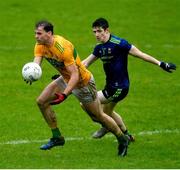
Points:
[[125, 45], [96, 51]]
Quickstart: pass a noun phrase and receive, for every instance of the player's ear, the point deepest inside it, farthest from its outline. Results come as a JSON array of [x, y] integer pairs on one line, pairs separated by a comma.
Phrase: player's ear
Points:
[[106, 30], [50, 33]]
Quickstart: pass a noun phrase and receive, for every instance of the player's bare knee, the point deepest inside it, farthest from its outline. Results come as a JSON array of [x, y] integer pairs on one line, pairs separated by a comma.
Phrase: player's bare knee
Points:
[[40, 102]]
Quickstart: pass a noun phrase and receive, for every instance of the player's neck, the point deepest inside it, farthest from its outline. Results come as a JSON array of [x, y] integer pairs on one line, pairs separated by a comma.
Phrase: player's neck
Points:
[[50, 42], [107, 37]]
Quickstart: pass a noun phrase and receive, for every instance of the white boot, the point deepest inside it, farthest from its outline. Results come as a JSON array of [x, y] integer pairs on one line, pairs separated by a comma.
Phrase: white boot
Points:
[[100, 133]]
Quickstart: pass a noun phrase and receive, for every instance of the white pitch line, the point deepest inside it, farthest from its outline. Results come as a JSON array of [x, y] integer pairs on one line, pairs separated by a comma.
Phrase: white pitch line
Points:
[[143, 133], [158, 132]]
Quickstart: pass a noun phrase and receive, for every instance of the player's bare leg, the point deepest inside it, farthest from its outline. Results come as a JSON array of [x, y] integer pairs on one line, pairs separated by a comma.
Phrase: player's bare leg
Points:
[[94, 108], [43, 102], [103, 130], [108, 108]]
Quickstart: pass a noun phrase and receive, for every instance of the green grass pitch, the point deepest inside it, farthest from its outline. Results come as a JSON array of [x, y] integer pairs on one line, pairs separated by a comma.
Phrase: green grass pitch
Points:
[[151, 110]]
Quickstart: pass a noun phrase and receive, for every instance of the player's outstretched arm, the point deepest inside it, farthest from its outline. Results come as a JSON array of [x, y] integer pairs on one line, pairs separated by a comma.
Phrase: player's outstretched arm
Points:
[[134, 51]]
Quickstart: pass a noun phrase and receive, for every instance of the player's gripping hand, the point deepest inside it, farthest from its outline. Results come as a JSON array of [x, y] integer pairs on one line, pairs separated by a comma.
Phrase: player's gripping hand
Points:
[[28, 81], [168, 66], [60, 97]]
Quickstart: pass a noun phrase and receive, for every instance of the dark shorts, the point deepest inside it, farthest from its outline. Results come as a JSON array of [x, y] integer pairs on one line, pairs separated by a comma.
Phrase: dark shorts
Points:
[[115, 94]]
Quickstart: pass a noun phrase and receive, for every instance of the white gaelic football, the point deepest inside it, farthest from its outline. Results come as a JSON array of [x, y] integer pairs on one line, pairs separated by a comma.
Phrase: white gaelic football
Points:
[[31, 71]]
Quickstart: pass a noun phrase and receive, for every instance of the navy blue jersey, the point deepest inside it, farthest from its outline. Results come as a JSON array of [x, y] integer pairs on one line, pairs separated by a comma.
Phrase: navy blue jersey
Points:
[[114, 55]]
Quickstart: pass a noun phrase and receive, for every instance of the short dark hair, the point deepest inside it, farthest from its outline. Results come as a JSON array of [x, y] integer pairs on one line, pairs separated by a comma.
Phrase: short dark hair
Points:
[[46, 25], [101, 22]]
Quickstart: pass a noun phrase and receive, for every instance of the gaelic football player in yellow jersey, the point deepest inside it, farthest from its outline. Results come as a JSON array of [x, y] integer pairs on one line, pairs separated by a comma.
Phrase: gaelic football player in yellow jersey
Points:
[[75, 79]]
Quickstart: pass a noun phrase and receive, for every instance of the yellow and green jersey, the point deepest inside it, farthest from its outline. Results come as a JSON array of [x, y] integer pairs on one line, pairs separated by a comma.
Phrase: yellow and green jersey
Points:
[[62, 53]]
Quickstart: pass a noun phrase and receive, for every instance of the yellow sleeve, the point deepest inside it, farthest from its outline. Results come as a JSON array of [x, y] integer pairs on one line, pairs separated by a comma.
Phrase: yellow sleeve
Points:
[[38, 50], [68, 56]]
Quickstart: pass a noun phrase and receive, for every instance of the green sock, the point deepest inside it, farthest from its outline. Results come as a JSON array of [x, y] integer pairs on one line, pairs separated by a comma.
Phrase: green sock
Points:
[[56, 133]]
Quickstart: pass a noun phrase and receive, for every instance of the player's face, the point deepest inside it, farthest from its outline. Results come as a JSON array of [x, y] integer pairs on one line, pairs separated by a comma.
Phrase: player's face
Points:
[[101, 34], [42, 36]]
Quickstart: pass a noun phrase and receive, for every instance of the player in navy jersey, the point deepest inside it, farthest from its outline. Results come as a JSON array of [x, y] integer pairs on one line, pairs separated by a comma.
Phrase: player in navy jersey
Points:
[[113, 52]]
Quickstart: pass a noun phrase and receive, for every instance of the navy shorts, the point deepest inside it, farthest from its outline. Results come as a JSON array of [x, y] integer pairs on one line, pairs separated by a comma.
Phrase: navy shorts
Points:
[[115, 94]]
